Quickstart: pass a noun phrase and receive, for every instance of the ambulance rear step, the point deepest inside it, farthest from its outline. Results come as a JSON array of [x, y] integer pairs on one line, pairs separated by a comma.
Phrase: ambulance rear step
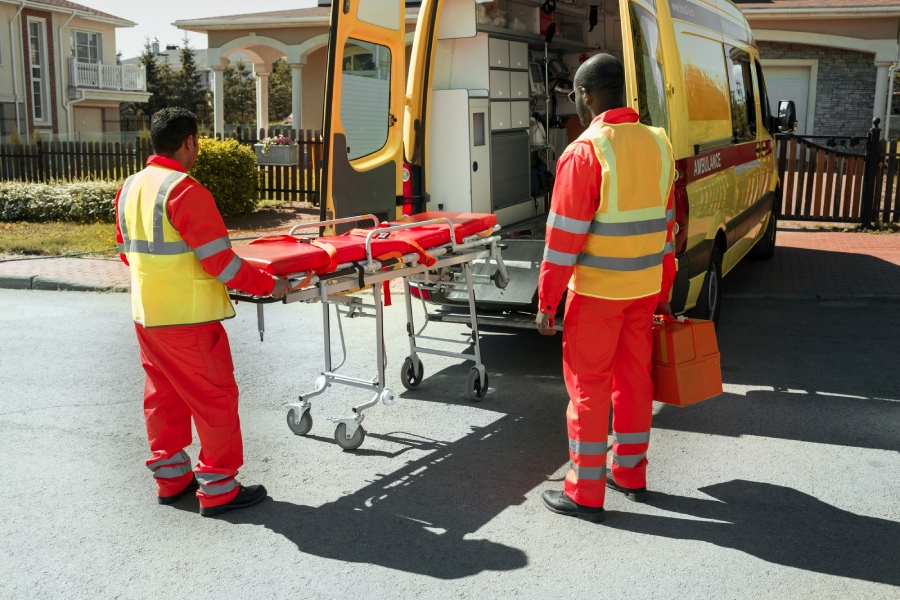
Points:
[[495, 320]]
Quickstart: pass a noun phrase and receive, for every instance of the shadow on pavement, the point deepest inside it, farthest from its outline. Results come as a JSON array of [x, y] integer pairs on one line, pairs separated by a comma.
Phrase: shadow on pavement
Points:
[[424, 517], [812, 272], [824, 372], [419, 518], [779, 525]]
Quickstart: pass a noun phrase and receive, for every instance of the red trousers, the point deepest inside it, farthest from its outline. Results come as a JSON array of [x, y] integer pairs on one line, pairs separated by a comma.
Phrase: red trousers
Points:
[[607, 353], [190, 375]]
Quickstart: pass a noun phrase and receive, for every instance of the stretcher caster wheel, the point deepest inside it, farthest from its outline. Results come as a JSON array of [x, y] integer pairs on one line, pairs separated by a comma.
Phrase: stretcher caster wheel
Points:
[[476, 388], [409, 375], [352, 443], [302, 426]]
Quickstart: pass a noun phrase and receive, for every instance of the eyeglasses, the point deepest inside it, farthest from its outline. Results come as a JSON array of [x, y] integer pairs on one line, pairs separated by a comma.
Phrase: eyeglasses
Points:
[[571, 95]]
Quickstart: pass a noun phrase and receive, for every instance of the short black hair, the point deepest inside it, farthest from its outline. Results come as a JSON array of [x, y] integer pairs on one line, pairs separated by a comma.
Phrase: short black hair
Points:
[[603, 74], [170, 127]]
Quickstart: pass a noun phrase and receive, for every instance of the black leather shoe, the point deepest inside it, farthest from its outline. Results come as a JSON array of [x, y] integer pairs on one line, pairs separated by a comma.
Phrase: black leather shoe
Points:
[[558, 502], [191, 487], [633, 494], [246, 496]]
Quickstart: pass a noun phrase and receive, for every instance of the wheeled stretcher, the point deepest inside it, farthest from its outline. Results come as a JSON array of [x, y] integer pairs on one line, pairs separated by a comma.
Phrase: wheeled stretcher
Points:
[[419, 249]]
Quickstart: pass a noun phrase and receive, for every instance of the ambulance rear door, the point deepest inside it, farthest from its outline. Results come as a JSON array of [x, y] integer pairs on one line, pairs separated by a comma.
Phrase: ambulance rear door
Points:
[[362, 159]]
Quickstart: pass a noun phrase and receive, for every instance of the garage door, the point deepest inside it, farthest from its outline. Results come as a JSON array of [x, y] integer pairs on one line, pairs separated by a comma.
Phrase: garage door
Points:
[[790, 83]]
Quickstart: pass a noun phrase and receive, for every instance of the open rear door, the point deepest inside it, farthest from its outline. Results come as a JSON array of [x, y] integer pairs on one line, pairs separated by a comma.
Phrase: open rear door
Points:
[[362, 159]]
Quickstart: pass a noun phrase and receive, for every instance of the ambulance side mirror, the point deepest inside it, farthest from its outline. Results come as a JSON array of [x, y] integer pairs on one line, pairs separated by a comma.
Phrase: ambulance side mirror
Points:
[[787, 116]]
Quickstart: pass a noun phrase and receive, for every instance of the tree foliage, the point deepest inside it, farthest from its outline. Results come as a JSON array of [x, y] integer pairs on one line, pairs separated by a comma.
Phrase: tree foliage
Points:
[[166, 86], [280, 92], [240, 93]]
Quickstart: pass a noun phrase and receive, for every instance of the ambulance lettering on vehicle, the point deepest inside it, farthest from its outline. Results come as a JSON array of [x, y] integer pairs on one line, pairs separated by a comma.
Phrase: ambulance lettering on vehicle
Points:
[[707, 164], [714, 161]]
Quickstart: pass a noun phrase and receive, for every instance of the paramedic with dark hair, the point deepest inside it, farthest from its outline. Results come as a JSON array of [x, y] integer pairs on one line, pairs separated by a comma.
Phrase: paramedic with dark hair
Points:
[[172, 237], [609, 241]]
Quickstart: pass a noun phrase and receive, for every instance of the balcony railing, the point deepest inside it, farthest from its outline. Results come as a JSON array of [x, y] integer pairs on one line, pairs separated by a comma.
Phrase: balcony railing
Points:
[[129, 78]]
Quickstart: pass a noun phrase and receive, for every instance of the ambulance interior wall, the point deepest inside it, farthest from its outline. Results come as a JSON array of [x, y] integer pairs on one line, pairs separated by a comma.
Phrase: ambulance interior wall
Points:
[[461, 63]]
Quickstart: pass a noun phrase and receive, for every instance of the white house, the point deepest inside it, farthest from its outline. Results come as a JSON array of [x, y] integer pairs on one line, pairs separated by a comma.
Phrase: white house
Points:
[[58, 71]]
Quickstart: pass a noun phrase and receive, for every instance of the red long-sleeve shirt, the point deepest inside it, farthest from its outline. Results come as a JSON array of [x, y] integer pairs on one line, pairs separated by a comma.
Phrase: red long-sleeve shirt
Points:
[[576, 196], [193, 212]]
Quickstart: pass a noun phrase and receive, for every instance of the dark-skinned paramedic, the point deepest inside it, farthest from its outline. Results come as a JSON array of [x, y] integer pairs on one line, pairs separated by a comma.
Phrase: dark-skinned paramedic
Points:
[[609, 241], [172, 237]]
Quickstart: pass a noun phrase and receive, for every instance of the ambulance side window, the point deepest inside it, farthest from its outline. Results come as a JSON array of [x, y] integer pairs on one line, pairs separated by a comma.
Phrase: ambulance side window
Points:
[[765, 109], [740, 82], [648, 68], [365, 96]]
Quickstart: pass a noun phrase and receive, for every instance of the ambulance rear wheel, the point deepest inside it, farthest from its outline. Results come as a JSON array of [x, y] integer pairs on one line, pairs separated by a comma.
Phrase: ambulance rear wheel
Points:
[[765, 247], [709, 302], [354, 442], [411, 377], [476, 388], [303, 426]]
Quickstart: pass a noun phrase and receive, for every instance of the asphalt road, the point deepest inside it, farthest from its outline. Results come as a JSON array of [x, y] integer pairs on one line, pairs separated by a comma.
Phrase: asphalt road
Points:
[[785, 487]]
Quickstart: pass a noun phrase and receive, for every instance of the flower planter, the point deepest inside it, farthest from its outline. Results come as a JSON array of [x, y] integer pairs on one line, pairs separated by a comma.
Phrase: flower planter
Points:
[[278, 155]]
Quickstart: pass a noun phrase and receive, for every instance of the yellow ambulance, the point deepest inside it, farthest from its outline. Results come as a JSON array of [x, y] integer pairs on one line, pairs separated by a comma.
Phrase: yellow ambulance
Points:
[[469, 113]]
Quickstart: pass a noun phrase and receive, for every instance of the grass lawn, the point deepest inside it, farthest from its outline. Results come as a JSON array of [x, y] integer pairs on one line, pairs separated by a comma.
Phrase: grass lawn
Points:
[[57, 238], [51, 239]]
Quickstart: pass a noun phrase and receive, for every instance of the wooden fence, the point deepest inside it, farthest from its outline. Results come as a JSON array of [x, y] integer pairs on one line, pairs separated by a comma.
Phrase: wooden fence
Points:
[[839, 178], [63, 161]]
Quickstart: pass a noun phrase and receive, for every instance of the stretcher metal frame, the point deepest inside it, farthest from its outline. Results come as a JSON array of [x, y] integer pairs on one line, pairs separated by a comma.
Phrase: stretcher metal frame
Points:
[[332, 287]]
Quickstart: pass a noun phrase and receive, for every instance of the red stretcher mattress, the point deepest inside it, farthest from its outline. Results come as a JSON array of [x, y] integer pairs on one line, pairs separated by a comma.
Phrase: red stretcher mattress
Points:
[[285, 255]]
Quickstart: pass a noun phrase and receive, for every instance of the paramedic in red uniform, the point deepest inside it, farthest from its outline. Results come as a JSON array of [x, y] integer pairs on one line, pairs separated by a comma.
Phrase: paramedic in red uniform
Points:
[[172, 236], [609, 240]]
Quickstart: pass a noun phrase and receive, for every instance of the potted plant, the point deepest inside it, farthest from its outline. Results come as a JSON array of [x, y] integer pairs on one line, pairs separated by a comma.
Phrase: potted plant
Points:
[[279, 150]]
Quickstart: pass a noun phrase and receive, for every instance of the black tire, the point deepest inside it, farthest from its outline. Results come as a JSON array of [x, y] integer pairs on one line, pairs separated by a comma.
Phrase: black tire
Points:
[[475, 388], [340, 436], [409, 377], [305, 424], [709, 303], [765, 247]]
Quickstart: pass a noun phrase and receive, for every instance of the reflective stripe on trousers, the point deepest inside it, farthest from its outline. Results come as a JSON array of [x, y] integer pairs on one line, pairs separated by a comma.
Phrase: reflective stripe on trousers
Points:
[[169, 468], [606, 362]]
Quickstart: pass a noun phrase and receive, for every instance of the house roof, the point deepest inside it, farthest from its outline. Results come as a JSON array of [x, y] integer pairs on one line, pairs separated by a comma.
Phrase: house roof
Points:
[[86, 11], [318, 15]]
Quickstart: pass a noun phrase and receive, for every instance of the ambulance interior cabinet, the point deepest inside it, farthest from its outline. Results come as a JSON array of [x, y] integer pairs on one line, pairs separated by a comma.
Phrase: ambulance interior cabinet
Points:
[[510, 168], [459, 167]]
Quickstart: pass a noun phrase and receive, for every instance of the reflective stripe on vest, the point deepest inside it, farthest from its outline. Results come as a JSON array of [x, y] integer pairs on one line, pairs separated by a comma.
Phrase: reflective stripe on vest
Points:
[[623, 255], [168, 283]]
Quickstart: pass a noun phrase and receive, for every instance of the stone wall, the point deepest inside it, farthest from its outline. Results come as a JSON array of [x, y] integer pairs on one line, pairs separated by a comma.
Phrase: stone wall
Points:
[[845, 89]]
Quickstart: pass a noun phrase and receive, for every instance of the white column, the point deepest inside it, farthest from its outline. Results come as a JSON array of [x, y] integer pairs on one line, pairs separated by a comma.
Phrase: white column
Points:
[[881, 91], [262, 98], [218, 74], [296, 95]]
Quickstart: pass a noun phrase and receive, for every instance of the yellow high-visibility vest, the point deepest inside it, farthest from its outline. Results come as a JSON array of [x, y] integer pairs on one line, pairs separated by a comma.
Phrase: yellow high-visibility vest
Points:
[[622, 258], [168, 284]]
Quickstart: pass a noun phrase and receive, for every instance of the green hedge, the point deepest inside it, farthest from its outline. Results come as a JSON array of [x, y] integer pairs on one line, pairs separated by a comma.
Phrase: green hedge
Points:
[[225, 167], [76, 201], [229, 170]]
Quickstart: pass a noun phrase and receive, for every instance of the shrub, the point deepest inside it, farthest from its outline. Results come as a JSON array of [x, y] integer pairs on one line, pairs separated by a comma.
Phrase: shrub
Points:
[[76, 201], [229, 170]]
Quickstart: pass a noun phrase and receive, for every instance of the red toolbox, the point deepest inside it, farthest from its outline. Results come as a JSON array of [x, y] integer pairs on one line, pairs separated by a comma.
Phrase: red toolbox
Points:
[[686, 367]]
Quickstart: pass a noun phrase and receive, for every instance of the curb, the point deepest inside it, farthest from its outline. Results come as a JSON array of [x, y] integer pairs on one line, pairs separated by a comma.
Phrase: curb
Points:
[[820, 297], [55, 284]]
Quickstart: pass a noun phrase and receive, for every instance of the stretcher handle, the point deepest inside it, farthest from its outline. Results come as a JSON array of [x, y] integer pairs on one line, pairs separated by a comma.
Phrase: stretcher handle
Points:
[[380, 230], [334, 222]]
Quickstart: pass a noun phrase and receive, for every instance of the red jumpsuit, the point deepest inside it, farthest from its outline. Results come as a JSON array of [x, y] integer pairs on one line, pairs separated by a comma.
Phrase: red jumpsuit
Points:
[[189, 372], [607, 344]]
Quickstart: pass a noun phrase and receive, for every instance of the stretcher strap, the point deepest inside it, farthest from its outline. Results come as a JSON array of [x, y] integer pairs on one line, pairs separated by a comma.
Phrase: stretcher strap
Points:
[[331, 250], [424, 258], [303, 283], [386, 285]]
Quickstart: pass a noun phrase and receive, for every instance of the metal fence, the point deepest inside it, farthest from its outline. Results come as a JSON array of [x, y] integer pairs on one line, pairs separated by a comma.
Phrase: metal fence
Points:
[[63, 161]]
